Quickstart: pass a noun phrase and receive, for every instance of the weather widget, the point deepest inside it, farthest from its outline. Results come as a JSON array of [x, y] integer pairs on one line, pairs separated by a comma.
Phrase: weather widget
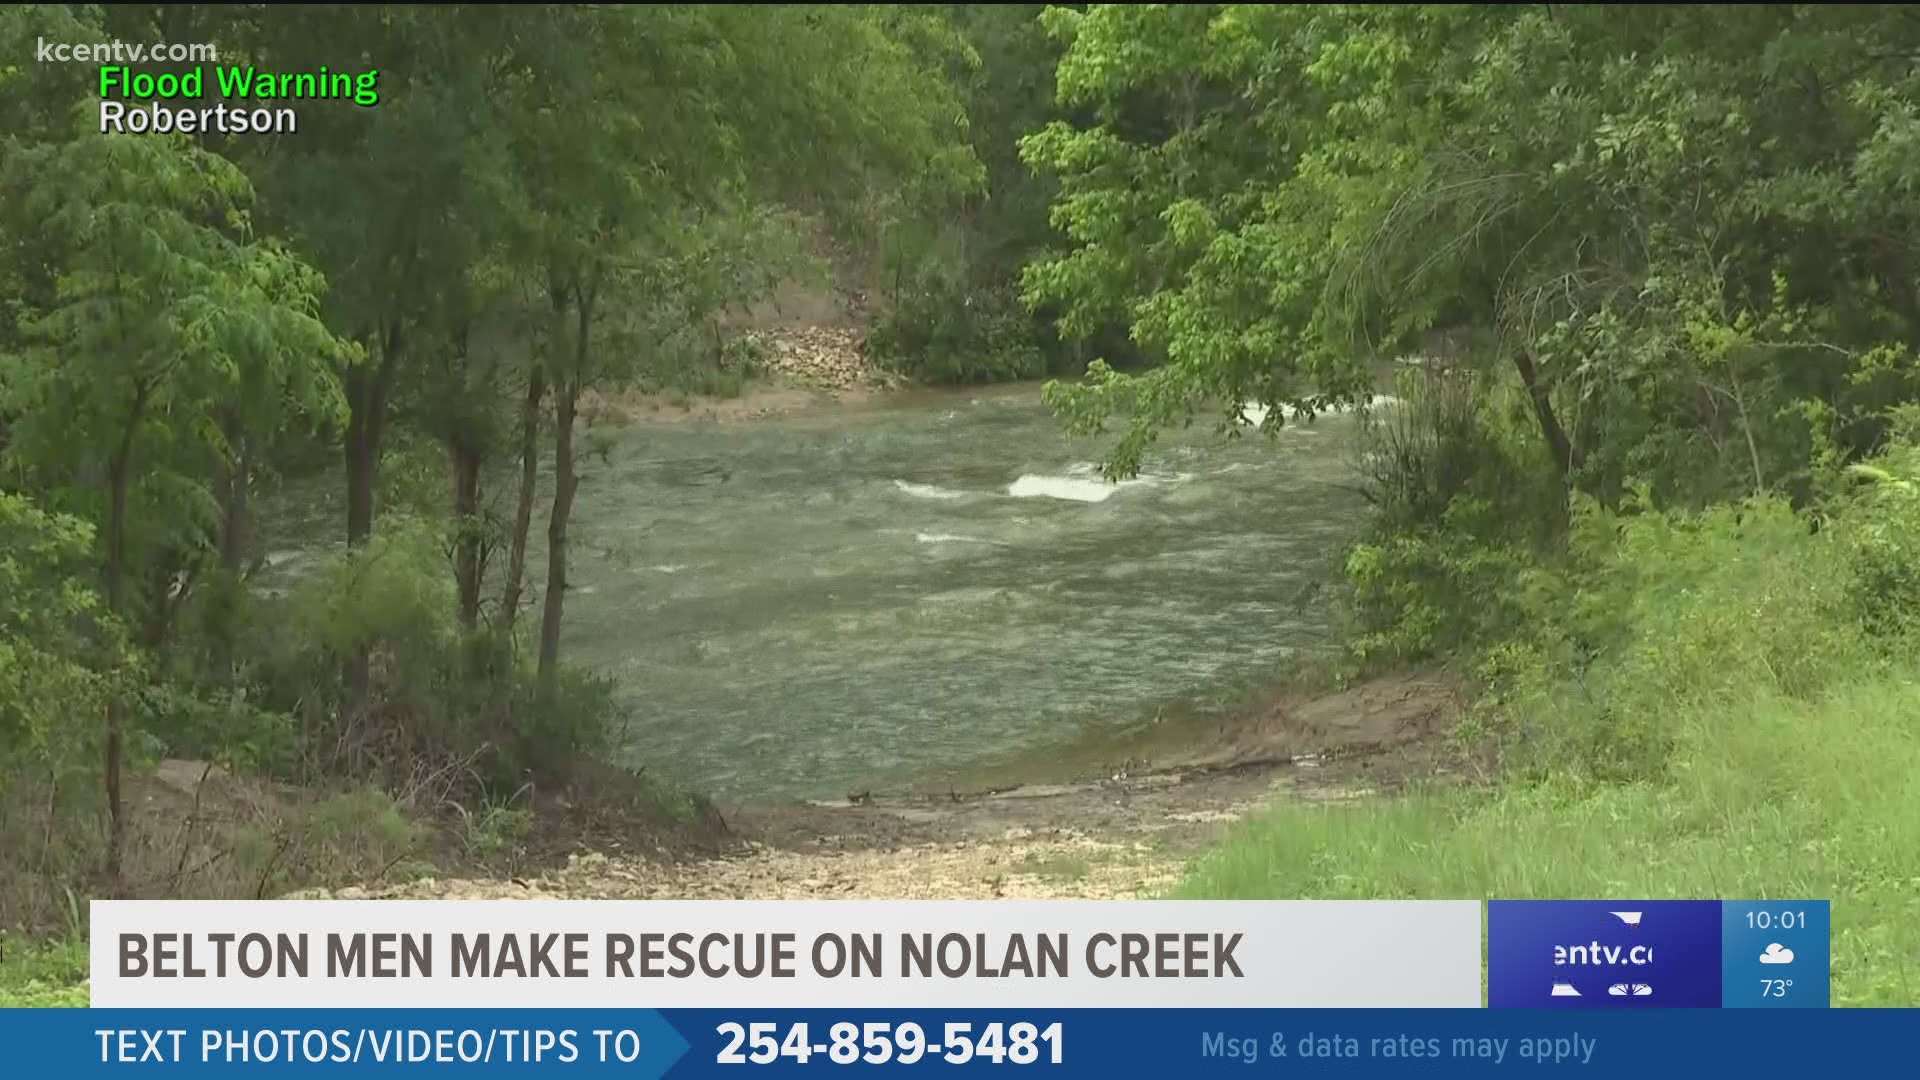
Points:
[[1661, 954]]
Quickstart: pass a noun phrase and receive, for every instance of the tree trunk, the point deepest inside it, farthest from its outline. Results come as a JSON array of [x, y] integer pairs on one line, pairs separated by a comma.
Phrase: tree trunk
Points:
[[362, 461], [469, 562], [367, 394], [234, 490], [523, 510], [116, 599], [169, 581], [565, 394], [116, 608], [1565, 457], [466, 454], [235, 503]]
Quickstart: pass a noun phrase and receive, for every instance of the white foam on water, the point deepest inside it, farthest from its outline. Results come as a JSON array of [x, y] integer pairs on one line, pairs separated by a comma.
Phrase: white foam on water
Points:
[[669, 568], [928, 491], [1082, 482], [1072, 488], [1254, 415], [951, 538]]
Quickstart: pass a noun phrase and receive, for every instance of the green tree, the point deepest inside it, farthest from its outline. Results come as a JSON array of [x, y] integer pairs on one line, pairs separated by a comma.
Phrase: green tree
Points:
[[1658, 224], [1193, 213], [50, 643], [397, 203], [948, 256], [164, 313], [648, 126]]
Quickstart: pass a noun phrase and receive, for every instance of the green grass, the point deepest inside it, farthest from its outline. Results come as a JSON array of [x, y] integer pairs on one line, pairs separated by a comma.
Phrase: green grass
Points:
[[1767, 797], [49, 975]]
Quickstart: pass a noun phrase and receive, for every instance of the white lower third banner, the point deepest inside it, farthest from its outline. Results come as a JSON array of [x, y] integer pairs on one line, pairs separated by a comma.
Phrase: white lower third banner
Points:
[[787, 954]]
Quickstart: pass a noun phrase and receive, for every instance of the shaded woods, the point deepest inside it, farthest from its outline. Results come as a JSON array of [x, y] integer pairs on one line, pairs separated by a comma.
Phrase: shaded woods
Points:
[[395, 313]]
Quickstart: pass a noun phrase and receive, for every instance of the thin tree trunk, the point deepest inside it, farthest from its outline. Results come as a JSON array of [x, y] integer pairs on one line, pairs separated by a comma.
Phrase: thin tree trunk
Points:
[[367, 396], [466, 455], [234, 509], [565, 394], [236, 503], [368, 392], [523, 510], [362, 460], [1738, 396], [1565, 457], [167, 585], [116, 607], [468, 558], [116, 601]]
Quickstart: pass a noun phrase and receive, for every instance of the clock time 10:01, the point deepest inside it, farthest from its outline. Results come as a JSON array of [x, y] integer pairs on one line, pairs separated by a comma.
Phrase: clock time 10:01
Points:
[[1776, 920]]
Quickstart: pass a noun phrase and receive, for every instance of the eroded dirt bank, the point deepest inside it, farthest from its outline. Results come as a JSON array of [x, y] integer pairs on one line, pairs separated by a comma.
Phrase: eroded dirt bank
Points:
[[1126, 835]]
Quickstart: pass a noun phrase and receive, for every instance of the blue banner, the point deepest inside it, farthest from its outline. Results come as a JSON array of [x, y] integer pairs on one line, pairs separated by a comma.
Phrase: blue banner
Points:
[[1657, 954], [1571, 954], [642, 1044]]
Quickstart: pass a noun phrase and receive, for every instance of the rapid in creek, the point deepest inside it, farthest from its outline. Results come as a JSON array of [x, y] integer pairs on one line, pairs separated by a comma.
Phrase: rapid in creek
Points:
[[939, 590]]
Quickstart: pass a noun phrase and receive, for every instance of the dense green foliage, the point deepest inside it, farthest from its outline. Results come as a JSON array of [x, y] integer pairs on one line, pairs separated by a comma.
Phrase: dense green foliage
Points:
[[948, 310], [1624, 265], [412, 297], [1706, 704], [1684, 234], [1648, 473], [51, 977]]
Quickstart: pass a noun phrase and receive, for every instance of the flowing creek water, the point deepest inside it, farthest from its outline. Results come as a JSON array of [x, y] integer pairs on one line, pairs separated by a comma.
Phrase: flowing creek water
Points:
[[937, 591]]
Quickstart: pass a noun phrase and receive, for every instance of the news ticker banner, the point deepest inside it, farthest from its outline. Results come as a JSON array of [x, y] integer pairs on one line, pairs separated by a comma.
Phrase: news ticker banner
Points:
[[1658, 954], [983, 954], [682, 1044], [1094, 988]]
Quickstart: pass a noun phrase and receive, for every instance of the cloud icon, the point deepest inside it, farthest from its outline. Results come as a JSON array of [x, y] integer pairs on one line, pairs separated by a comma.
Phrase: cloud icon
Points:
[[1631, 918], [1777, 954]]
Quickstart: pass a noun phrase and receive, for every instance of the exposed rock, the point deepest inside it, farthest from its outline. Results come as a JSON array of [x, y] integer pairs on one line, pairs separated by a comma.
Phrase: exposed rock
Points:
[[1009, 866], [802, 369], [186, 777], [822, 355]]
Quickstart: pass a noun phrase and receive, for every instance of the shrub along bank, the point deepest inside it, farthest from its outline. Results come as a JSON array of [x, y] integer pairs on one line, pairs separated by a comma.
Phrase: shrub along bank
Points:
[[1712, 703]]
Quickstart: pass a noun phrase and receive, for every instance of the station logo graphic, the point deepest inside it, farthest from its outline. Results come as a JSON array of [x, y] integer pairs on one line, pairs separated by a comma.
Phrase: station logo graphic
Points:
[[1599, 954]]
